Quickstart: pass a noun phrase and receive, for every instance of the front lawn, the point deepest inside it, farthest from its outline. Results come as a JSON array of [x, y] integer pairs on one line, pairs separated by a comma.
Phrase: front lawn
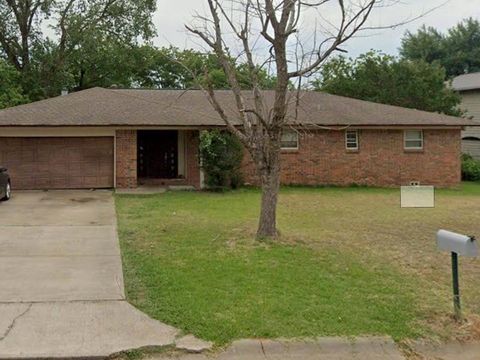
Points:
[[349, 262]]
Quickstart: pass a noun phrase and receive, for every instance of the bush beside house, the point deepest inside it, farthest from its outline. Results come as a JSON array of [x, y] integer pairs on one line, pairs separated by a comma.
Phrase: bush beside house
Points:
[[470, 168], [221, 154]]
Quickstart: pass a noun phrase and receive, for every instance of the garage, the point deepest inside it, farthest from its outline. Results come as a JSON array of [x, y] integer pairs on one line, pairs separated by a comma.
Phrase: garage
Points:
[[58, 162]]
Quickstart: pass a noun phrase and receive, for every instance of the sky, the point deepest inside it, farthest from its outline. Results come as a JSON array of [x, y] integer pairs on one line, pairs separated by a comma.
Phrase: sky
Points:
[[171, 16]]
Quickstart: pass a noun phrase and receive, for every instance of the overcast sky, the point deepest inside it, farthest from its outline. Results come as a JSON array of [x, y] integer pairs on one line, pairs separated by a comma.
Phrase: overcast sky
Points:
[[172, 14]]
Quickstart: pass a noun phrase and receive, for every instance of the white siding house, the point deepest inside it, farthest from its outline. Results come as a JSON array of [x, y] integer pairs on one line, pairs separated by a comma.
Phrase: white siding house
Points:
[[469, 87]]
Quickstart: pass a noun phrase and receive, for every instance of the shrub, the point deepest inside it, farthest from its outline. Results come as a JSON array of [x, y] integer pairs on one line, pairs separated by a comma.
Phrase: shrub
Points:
[[221, 154], [470, 168]]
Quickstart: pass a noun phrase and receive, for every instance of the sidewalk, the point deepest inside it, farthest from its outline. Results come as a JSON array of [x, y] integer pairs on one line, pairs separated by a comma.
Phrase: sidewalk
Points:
[[328, 348], [450, 351]]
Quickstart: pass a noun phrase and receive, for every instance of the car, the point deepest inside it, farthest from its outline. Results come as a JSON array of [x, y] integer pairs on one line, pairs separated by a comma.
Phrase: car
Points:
[[5, 185]]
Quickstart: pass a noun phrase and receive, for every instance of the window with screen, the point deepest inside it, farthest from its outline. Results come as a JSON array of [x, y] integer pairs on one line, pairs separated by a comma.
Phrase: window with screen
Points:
[[289, 139], [351, 139], [413, 139]]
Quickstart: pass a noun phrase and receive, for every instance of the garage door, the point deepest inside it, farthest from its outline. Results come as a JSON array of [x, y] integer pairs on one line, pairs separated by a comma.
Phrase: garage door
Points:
[[58, 163]]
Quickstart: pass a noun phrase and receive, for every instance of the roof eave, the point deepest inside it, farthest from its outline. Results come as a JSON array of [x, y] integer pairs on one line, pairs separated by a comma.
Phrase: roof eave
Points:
[[467, 88], [204, 126]]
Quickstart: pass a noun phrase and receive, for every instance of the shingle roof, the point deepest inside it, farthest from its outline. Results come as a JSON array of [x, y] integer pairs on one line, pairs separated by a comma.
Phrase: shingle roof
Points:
[[113, 107], [467, 82]]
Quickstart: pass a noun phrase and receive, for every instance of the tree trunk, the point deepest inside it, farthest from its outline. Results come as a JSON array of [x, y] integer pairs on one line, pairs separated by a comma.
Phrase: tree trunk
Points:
[[270, 181]]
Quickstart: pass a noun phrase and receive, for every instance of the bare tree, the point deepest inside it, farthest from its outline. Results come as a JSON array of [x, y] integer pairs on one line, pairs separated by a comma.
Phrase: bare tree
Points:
[[272, 28]]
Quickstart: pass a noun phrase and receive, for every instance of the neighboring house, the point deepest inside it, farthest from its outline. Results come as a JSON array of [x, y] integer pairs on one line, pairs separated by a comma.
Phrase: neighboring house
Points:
[[469, 87], [105, 138]]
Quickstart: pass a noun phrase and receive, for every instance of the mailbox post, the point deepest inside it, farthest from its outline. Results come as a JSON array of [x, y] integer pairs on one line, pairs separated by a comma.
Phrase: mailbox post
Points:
[[456, 244], [456, 287]]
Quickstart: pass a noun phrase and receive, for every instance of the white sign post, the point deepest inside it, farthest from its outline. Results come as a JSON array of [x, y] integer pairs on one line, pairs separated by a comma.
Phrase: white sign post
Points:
[[417, 196]]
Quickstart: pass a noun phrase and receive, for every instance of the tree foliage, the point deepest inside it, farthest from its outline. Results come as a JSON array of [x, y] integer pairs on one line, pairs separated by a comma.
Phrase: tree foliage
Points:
[[11, 93], [385, 79], [98, 43], [458, 50], [85, 30], [172, 68]]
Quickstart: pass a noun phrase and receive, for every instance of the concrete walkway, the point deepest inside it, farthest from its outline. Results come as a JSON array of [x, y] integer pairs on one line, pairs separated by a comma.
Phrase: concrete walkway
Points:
[[61, 283]]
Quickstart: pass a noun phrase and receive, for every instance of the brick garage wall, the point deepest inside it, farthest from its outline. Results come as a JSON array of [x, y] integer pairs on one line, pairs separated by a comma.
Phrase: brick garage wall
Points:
[[380, 161], [126, 158]]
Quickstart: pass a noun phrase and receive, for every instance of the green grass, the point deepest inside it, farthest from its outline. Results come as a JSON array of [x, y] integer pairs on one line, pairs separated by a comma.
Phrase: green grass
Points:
[[350, 262], [468, 188]]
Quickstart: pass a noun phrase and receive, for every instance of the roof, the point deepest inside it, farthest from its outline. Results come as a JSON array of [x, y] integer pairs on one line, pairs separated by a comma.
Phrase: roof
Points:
[[467, 82], [113, 107]]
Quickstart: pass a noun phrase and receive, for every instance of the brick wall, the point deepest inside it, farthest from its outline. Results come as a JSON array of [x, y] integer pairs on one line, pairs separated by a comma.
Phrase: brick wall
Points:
[[380, 161], [192, 167], [126, 158]]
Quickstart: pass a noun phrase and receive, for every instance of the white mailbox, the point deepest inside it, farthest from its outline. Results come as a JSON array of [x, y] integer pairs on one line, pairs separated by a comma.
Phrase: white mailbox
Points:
[[457, 243]]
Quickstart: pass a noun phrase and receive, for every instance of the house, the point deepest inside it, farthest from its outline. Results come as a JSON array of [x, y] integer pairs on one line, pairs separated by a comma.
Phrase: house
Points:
[[107, 138], [469, 87]]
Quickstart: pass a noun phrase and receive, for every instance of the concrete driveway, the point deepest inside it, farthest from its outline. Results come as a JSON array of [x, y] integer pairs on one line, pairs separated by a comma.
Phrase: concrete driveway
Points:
[[59, 246], [61, 283]]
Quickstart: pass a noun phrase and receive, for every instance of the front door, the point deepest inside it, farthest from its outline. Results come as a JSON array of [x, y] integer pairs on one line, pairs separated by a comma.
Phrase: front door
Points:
[[158, 154]]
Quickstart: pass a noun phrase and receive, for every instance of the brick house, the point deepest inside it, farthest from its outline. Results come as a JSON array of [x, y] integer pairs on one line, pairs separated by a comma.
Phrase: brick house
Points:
[[110, 138]]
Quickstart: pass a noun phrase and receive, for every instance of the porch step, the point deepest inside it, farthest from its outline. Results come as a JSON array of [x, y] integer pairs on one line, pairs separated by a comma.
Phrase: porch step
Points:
[[181, 188], [143, 190], [149, 190]]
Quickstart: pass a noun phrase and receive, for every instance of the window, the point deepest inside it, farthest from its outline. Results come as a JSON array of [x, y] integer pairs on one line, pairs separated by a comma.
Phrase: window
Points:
[[351, 139], [413, 139], [289, 139]]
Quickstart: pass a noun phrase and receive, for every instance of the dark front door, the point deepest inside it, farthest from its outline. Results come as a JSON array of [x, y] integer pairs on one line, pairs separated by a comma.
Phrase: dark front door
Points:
[[158, 154]]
